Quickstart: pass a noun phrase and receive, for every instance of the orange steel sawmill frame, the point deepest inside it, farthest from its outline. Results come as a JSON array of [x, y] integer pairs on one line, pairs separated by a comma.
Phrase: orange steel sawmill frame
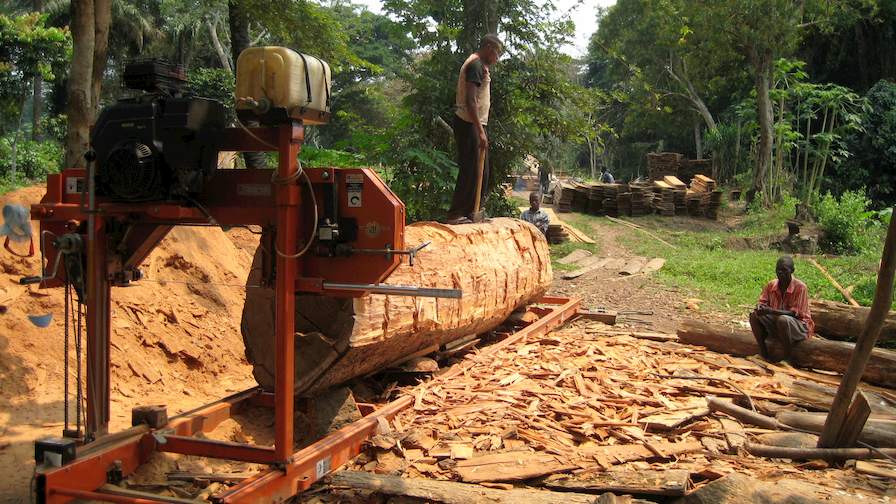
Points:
[[104, 457]]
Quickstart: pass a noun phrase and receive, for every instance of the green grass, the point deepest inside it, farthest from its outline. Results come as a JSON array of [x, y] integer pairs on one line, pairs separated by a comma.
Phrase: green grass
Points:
[[731, 280]]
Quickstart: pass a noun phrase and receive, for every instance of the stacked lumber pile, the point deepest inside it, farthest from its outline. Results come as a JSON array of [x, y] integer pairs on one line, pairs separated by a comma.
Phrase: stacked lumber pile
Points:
[[624, 203], [703, 198], [679, 191], [661, 164], [580, 197], [702, 184], [528, 183], [563, 194], [595, 199], [557, 234], [610, 198], [642, 199], [663, 198], [592, 408], [687, 168]]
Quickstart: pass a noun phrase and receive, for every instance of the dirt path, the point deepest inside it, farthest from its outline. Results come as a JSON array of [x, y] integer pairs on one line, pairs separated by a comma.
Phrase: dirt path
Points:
[[658, 306]]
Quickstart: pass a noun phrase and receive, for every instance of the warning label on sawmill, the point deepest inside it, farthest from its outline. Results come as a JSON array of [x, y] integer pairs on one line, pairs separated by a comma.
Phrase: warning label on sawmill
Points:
[[354, 185]]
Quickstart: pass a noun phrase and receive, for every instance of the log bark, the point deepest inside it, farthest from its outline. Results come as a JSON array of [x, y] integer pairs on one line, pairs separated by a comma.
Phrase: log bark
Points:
[[450, 492], [814, 353], [880, 433], [829, 454], [500, 266], [843, 322]]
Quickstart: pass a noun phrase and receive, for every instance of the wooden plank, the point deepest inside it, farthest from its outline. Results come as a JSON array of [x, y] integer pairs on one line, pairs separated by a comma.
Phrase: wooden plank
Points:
[[672, 482], [834, 282], [450, 492], [574, 256], [586, 265], [620, 454], [633, 266], [856, 416], [510, 466], [654, 264], [603, 316]]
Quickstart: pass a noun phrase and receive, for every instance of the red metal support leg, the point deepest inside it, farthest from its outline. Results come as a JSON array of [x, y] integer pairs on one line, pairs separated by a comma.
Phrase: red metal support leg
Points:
[[290, 139], [98, 332]]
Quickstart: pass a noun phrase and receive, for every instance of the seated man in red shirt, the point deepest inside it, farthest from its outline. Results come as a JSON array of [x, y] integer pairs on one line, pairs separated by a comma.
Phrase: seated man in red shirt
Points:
[[783, 311]]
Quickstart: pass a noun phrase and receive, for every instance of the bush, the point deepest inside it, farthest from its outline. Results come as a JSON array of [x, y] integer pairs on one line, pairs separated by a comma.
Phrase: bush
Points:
[[34, 159], [844, 222], [215, 83]]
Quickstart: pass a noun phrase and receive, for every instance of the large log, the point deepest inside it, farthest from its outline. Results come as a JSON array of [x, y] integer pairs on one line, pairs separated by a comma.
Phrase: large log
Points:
[[843, 322], [814, 353], [500, 266]]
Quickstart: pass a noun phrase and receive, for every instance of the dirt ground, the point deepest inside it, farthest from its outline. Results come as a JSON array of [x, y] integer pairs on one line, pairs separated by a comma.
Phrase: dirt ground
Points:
[[176, 341]]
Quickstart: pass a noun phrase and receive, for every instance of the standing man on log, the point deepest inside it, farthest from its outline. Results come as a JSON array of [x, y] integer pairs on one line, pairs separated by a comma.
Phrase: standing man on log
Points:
[[471, 116], [783, 311]]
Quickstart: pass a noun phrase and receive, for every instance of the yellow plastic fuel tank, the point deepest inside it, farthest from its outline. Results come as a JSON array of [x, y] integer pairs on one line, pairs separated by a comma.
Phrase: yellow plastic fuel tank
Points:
[[274, 84]]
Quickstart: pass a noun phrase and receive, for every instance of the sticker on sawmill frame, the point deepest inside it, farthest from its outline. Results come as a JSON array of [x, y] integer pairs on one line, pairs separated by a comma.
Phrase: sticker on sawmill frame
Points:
[[74, 185], [322, 467], [354, 185]]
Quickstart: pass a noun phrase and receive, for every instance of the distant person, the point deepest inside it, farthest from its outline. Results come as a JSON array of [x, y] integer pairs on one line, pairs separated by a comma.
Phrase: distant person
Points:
[[472, 102], [534, 215], [606, 177], [544, 178], [783, 311]]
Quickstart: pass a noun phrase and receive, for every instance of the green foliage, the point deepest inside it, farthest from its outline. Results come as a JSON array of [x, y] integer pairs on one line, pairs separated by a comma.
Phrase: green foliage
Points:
[[844, 222], [34, 159], [873, 149], [315, 157], [215, 83], [28, 48]]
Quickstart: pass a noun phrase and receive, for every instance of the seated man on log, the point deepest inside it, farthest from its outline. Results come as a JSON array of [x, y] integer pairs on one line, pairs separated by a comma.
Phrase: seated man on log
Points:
[[534, 215], [783, 311]]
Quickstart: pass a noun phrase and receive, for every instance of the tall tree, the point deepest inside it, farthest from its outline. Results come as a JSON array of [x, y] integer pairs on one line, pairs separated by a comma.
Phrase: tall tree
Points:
[[90, 33]]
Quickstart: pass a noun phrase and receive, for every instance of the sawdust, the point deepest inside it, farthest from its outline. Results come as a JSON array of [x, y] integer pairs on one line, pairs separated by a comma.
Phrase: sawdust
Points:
[[175, 339]]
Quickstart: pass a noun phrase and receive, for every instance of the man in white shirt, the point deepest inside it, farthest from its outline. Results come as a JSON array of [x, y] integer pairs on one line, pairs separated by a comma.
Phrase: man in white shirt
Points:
[[472, 103]]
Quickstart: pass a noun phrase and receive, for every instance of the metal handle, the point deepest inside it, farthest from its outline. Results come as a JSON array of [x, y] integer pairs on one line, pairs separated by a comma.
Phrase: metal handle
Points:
[[28, 280], [396, 290]]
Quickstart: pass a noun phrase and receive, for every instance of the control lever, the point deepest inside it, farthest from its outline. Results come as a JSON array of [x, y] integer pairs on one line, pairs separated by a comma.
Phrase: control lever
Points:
[[411, 252]]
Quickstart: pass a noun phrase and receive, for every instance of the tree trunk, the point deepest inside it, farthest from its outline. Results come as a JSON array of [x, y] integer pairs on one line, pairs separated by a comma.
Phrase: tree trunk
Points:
[[843, 322], [103, 16], [812, 353], [762, 66], [238, 20], [500, 266], [37, 100], [80, 108], [698, 141], [219, 48]]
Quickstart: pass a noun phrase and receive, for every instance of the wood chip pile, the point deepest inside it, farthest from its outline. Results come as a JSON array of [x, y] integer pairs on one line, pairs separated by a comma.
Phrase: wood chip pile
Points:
[[590, 401]]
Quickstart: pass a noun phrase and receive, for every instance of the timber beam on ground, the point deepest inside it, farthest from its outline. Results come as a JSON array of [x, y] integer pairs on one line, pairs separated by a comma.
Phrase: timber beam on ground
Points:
[[120, 454]]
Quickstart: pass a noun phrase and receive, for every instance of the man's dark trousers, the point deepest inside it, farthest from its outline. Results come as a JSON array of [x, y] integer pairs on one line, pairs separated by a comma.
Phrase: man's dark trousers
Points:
[[467, 140]]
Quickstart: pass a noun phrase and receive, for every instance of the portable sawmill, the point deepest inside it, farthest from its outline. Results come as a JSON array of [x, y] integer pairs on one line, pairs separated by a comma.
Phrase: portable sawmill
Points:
[[326, 233]]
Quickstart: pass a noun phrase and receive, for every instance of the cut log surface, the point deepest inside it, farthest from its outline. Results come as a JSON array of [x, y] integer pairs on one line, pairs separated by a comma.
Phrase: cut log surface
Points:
[[814, 353], [500, 266], [841, 321]]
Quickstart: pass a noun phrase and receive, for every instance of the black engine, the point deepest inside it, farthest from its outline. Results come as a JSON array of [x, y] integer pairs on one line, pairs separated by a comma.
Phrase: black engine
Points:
[[160, 145]]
